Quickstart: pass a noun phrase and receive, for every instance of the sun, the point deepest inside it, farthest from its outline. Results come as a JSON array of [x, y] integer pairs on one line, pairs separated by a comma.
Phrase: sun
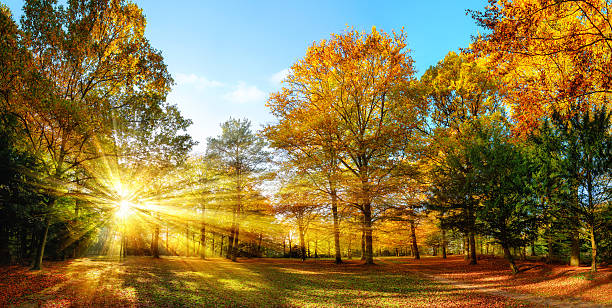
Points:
[[124, 209]]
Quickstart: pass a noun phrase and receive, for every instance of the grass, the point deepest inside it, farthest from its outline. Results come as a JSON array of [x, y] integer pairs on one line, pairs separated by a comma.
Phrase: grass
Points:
[[190, 282]]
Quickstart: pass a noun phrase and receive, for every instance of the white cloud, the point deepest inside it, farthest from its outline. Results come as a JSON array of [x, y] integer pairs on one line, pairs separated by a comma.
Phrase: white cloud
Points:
[[199, 82], [277, 77], [244, 93]]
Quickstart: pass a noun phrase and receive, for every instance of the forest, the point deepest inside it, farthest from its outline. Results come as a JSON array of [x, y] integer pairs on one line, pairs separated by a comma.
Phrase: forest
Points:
[[501, 153]]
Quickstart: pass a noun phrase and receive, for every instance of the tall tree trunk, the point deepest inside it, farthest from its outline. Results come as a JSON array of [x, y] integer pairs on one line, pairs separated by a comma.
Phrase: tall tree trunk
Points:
[[334, 205], [444, 243], [367, 217], [415, 247], [302, 243], [40, 251], [203, 241], [155, 242], [509, 258], [230, 243], [472, 248], [593, 249], [235, 249]]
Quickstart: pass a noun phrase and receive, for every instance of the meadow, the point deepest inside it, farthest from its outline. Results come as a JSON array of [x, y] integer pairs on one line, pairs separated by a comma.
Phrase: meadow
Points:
[[391, 282]]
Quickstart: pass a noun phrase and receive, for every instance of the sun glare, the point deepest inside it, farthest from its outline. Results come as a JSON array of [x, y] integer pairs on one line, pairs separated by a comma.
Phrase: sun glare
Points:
[[124, 209]]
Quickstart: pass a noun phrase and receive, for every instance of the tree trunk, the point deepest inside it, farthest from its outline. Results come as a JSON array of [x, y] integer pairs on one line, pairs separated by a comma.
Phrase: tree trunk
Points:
[[302, 243], [230, 243], [40, 251], [203, 241], [472, 248], [235, 249], [155, 242], [593, 249], [415, 247], [443, 243], [509, 258], [334, 204], [367, 217]]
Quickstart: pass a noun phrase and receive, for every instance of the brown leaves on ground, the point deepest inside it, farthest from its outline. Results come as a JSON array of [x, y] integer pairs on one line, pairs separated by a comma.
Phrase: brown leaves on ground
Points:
[[537, 278]]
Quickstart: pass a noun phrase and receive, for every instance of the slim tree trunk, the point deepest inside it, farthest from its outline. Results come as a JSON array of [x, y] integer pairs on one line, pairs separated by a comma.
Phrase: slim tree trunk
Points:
[[334, 205], [236, 250], [40, 251], [444, 244], [593, 249], [302, 243], [203, 241], [230, 243], [415, 247]]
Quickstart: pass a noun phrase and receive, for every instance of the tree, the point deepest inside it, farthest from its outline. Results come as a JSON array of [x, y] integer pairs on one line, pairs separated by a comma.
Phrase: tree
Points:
[[584, 154], [458, 90], [503, 178], [299, 202], [358, 82], [551, 54], [90, 63], [239, 156]]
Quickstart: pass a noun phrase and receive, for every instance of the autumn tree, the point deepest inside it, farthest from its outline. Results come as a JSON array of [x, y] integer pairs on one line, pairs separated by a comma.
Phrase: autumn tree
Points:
[[358, 83], [298, 201], [551, 55], [239, 155], [92, 64]]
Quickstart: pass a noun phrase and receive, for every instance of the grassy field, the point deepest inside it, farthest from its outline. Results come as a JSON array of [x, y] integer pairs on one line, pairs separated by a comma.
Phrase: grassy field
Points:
[[178, 282]]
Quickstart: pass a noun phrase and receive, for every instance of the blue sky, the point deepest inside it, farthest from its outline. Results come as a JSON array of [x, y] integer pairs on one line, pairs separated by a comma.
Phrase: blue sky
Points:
[[226, 56]]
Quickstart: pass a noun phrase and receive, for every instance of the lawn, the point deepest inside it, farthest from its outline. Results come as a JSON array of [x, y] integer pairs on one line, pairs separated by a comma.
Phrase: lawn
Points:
[[560, 282], [179, 281]]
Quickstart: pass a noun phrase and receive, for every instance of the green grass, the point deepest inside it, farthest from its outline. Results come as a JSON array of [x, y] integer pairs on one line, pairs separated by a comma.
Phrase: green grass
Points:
[[190, 282]]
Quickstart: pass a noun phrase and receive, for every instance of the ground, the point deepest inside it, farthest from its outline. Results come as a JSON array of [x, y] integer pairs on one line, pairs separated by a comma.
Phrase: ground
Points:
[[396, 282]]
